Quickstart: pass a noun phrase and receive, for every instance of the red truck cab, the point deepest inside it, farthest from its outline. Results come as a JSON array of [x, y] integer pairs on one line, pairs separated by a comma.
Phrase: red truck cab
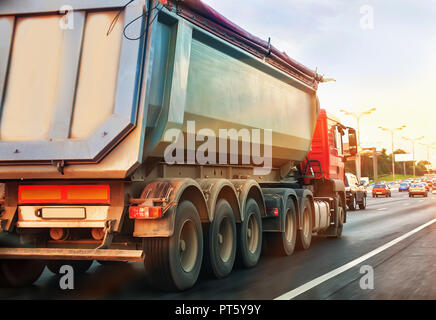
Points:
[[328, 147], [332, 144]]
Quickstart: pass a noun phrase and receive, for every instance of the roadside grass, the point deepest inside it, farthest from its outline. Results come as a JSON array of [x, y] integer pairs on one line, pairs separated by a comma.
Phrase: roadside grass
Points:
[[388, 177]]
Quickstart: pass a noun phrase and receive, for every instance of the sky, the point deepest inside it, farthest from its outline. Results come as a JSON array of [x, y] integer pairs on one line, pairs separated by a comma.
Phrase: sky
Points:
[[381, 53]]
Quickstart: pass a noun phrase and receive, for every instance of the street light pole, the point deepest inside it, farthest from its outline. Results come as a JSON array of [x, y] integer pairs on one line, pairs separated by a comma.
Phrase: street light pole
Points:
[[413, 150], [357, 116], [392, 131], [428, 146]]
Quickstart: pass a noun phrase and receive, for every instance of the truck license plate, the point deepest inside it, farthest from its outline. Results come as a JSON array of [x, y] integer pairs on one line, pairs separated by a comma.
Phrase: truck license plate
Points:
[[63, 213]]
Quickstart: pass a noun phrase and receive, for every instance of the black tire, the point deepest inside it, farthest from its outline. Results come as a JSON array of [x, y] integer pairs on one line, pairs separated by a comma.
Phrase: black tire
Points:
[[170, 263], [20, 273], [79, 266], [341, 218], [220, 241], [250, 235], [283, 243], [352, 204], [362, 205], [335, 231], [304, 236]]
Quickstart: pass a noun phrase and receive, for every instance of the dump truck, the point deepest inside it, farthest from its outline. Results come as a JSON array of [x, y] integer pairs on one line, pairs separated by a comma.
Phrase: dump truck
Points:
[[157, 132]]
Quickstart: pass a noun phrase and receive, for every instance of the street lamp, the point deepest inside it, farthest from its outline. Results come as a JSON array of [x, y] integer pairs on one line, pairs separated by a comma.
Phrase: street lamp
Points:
[[392, 131], [428, 146], [357, 116], [413, 150]]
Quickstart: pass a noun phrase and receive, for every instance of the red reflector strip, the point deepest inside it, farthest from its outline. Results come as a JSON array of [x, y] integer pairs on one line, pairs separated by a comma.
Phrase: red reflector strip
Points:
[[273, 211], [64, 194], [140, 212]]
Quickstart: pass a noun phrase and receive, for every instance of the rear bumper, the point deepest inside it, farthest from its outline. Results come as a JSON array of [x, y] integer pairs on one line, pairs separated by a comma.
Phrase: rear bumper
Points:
[[71, 254]]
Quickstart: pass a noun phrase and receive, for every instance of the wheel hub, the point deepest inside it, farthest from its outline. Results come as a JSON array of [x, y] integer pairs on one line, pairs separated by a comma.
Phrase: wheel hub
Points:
[[252, 234], [188, 245]]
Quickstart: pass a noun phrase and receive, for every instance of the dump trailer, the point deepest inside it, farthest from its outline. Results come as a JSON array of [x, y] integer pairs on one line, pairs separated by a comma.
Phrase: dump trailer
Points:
[[124, 129]]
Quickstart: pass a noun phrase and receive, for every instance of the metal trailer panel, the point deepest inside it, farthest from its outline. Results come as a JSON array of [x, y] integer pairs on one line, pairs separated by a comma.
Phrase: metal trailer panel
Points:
[[69, 94], [188, 74], [93, 90], [220, 86]]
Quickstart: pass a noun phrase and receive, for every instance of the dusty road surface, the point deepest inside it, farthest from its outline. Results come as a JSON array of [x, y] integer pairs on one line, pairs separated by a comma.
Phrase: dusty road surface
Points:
[[404, 265]]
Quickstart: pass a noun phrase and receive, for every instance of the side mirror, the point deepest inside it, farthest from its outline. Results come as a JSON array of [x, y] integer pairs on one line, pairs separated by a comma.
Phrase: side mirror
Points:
[[352, 142]]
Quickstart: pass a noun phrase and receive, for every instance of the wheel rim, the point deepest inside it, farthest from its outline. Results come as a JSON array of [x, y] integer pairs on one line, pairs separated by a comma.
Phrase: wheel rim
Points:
[[289, 227], [252, 234], [225, 239], [306, 226], [188, 245]]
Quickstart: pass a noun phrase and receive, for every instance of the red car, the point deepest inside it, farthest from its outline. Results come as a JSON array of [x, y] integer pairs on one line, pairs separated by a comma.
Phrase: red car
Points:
[[381, 190]]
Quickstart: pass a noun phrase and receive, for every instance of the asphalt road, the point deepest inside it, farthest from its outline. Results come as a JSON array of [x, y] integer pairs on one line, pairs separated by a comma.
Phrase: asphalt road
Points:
[[404, 270]]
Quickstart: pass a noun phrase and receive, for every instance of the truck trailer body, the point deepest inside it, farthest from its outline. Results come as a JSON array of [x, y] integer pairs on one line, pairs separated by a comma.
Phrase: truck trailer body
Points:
[[93, 96]]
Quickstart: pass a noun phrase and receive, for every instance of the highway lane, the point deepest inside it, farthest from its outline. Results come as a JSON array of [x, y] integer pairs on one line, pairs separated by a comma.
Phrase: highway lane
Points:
[[384, 219]]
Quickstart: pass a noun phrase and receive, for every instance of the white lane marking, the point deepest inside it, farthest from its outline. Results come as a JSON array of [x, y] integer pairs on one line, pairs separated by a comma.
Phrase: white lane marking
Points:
[[381, 209], [317, 281]]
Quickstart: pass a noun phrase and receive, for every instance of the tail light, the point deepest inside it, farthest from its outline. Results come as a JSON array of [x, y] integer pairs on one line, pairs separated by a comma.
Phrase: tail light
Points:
[[142, 212], [64, 194], [272, 211]]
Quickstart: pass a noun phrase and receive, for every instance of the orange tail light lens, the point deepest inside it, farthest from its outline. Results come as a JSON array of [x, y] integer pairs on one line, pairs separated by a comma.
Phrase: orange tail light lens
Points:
[[141, 212], [64, 194]]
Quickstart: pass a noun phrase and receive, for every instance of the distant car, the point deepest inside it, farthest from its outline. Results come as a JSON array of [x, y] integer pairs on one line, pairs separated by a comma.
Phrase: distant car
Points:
[[433, 190], [381, 190], [404, 187], [355, 193], [418, 189]]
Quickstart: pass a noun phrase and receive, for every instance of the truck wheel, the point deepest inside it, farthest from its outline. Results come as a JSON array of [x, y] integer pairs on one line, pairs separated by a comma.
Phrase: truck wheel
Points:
[[304, 236], [20, 273], [220, 241], [362, 205], [352, 205], [250, 235], [341, 216], [283, 243], [174, 263], [79, 266]]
